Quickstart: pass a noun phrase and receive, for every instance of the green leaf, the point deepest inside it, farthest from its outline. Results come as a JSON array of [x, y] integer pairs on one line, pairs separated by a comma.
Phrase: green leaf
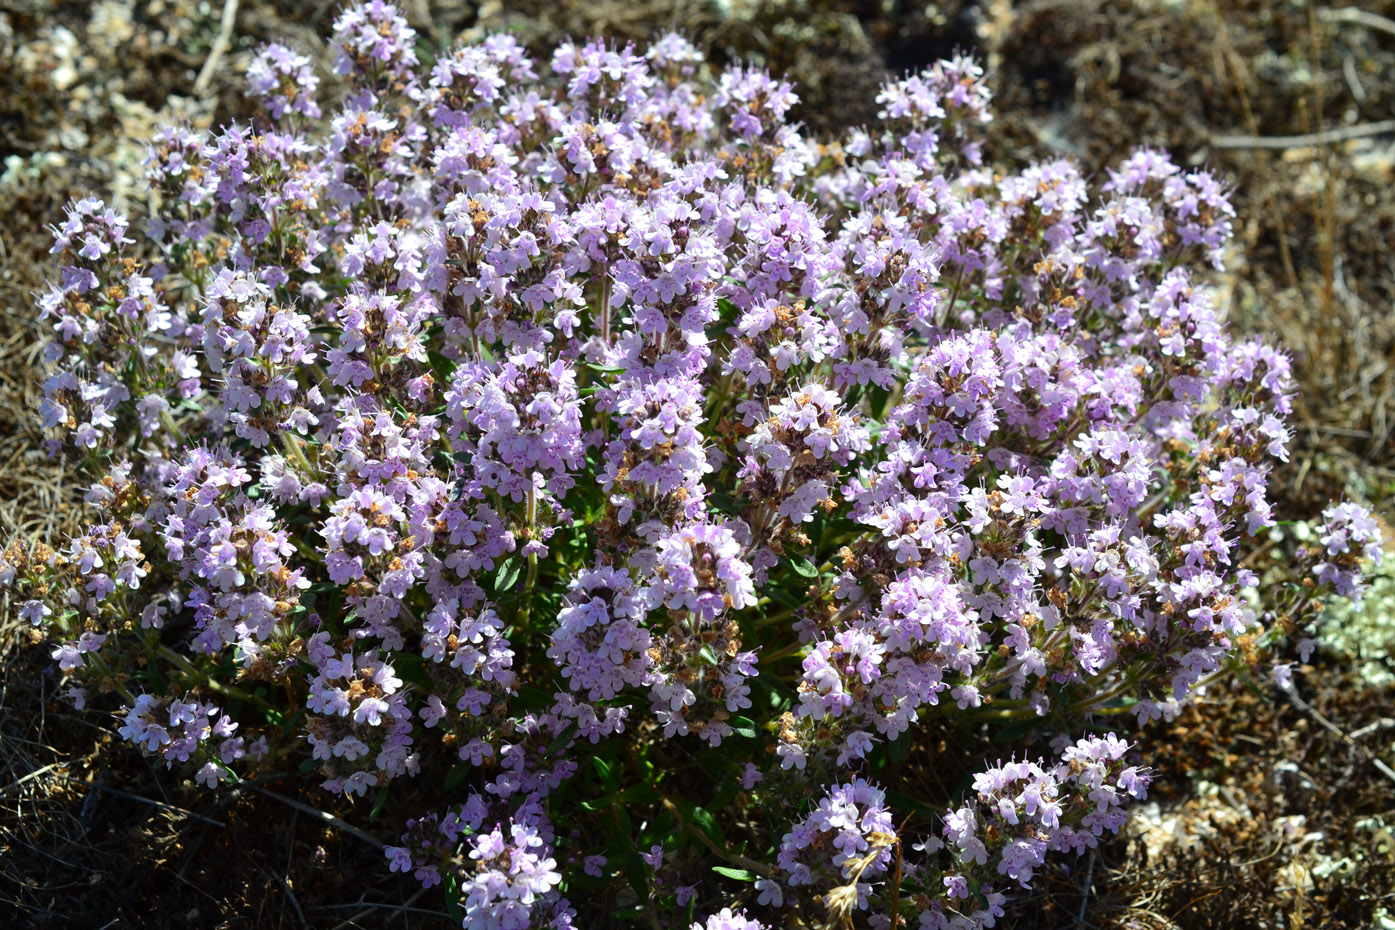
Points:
[[705, 822], [743, 726], [905, 802], [1250, 685], [508, 574], [378, 803], [232, 776], [803, 567], [640, 794], [783, 694], [785, 598], [456, 775], [878, 397], [635, 794], [453, 907], [1016, 731], [562, 739], [741, 875], [440, 364], [725, 502], [412, 668], [637, 872], [725, 794], [530, 698]]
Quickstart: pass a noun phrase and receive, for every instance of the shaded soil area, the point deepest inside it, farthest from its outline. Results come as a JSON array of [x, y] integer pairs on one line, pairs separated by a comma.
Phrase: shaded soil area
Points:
[[93, 837]]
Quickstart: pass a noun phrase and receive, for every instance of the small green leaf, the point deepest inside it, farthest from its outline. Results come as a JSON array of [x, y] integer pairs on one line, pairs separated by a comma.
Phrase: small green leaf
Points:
[[741, 875], [905, 802], [455, 776], [724, 502], [378, 803], [705, 822], [743, 726], [508, 574], [562, 740], [453, 907], [803, 567], [639, 794], [637, 872], [232, 776], [1016, 731], [440, 364], [530, 698], [785, 598]]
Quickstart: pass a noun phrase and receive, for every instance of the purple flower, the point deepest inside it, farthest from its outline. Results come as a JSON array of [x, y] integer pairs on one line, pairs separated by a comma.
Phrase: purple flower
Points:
[[284, 81], [555, 409], [511, 874], [726, 920], [854, 820]]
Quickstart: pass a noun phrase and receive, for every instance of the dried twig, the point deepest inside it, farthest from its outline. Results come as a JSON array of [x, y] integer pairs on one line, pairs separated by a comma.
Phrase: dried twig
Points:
[[151, 801], [1350, 14], [1085, 893], [285, 875], [220, 46], [369, 908], [1327, 137], [1337, 731], [1381, 723], [32, 775], [318, 815], [1353, 80]]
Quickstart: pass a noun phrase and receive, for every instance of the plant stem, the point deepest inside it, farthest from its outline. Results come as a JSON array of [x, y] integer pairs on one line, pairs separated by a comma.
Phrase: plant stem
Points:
[[605, 309], [232, 691], [292, 445], [525, 611], [106, 670], [167, 419], [781, 653]]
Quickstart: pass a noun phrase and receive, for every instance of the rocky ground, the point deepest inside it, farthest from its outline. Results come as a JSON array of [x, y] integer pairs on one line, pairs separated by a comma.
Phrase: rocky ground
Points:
[[1274, 810]]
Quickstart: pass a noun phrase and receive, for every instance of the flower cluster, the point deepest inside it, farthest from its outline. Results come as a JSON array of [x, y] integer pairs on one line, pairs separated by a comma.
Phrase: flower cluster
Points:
[[513, 873], [853, 815], [726, 920], [582, 438], [359, 725], [176, 730], [1349, 534], [284, 81]]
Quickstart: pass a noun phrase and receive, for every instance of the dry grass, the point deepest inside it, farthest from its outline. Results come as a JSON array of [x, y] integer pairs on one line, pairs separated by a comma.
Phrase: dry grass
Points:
[[37, 499], [92, 836]]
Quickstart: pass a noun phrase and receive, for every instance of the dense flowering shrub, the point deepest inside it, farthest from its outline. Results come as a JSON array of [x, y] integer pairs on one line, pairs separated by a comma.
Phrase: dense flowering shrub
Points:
[[582, 436]]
